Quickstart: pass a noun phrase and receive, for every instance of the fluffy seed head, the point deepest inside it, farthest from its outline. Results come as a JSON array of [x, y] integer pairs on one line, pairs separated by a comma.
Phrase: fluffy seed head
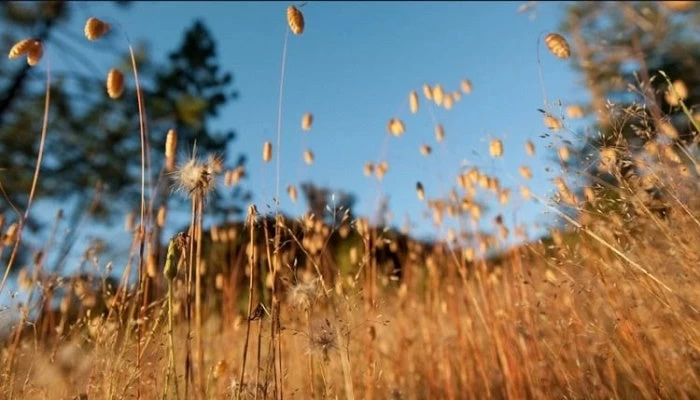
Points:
[[295, 19], [396, 127], [194, 177], [496, 148], [267, 151], [413, 101], [557, 45], [95, 28], [306, 121], [115, 83]]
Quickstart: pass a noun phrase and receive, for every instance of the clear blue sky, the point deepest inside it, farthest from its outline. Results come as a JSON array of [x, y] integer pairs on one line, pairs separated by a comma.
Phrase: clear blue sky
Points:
[[353, 68]]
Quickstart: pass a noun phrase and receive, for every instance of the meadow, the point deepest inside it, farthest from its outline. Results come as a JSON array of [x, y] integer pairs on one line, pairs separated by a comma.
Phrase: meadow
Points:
[[606, 305]]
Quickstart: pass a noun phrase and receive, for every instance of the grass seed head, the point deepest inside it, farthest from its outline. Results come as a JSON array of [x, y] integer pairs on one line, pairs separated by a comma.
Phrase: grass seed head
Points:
[[676, 92], [267, 151], [427, 92], [425, 149], [438, 94], [448, 102], [526, 172], [530, 148], [552, 122], [292, 192], [95, 28], [35, 53], [496, 148], [557, 45], [161, 216], [308, 157], [295, 19], [679, 5], [413, 101], [574, 111], [306, 121], [368, 169], [115, 83], [466, 86], [170, 149], [21, 48], [439, 133], [396, 127], [420, 191]]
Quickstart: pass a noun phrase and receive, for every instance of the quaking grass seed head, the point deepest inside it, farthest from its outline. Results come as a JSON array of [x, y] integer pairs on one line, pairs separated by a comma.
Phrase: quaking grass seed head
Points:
[[115, 83], [295, 20], [95, 28], [267, 151], [557, 45], [306, 121], [413, 101]]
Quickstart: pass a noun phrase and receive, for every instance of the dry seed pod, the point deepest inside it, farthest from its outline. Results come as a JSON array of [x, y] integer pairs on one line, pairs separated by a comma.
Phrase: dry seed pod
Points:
[[295, 19], [170, 149], [115, 83], [557, 45], [530, 148], [420, 191], [676, 92], [267, 151], [574, 111], [21, 48], [466, 86], [496, 148], [552, 122], [396, 127], [95, 28], [308, 157], [439, 133], [35, 53], [306, 121], [428, 92], [438, 94], [526, 172], [425, 149], [292, 192], [369, 169]]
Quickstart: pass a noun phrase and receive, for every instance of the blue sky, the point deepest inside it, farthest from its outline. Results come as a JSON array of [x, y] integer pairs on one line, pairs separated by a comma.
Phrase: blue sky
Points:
[[353, 68]]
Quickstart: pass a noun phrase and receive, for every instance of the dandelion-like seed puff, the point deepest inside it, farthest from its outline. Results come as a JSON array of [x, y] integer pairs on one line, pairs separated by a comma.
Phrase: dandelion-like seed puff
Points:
[[194, 177]]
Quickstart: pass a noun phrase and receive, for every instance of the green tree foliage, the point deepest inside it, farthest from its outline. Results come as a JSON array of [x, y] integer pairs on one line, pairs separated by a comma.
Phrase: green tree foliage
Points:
[[93, 141]]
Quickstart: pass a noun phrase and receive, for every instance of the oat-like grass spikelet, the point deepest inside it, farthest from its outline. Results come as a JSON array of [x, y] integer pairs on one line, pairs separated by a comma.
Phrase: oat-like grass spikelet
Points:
[[496, 148], [295, 19], [95, 28], [448, 102], [466, 86], [439, 133], [413, 101], [396, 127], [564, 153], [267, 151], [557, 45], [306, 121], [308, 157], [115, 83]]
